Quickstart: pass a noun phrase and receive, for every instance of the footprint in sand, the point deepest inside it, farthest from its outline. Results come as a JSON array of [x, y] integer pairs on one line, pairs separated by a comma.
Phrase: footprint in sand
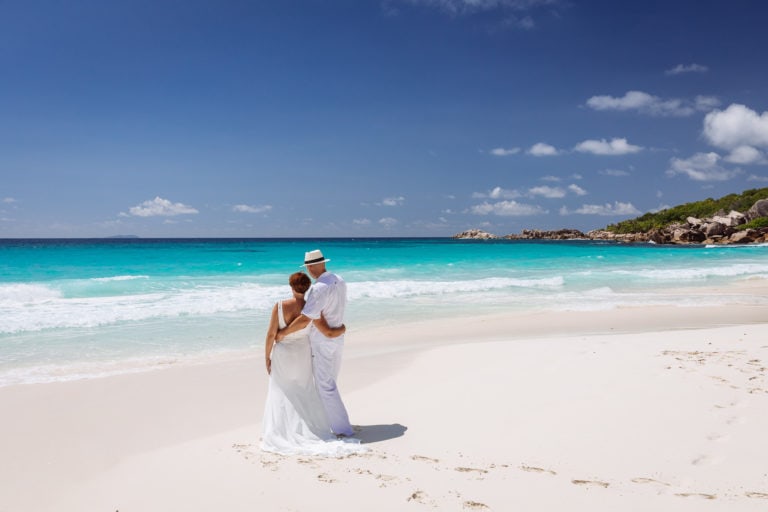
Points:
[[243, 449], [533, 469], [697, 495], [718, 437], [705, 460], [474, 505], [387, 479], [272, 465], [643, 480], [423, 458], [420, 496], [590, 483], [326, 478], [726, 406], [758, 495], [471, 470]]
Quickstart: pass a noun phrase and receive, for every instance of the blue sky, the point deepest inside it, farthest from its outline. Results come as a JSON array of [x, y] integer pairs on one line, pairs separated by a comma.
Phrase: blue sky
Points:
[[372, 118]]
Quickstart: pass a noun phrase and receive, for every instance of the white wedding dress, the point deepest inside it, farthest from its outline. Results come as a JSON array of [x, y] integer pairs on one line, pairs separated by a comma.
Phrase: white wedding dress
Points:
[[294, 421]]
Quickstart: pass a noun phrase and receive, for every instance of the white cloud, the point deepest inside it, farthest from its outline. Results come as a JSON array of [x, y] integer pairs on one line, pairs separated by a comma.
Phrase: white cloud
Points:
[[9, 200], [652, 105], [736, 126], [690, 68], [502, 193], [706, 103], [577, 176], [548, 192], [701, 167], [602, 147], [244, 208], [607, 209], [497, 193], [632, 100], [755, 177], [388, 222], [746, 155], [393, 201], [525, 23], [577, 190], [542, 149], [507, 209], [553, 179], [361, 222], [161, 207], [456, 7], [505, 152], [613, 172]]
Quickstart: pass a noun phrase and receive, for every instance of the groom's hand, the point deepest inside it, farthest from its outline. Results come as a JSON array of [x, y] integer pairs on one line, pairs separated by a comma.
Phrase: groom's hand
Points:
[[279, 335]]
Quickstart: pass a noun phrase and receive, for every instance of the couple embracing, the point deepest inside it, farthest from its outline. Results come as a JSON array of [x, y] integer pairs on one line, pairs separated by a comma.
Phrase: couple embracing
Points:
[[304, 413]]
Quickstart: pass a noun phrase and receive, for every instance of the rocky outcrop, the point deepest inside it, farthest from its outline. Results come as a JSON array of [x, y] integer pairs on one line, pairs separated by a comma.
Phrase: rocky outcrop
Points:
[[721, 228], [731, 220], [560, 234], [759, 209], [475, 234], [601, 234]]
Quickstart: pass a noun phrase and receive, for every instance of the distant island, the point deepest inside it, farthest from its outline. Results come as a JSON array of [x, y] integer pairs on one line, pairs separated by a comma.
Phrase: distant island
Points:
[[732, 219]]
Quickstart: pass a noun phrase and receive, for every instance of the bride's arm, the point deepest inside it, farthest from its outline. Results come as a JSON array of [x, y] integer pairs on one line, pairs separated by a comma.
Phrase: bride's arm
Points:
[[269, 342], [327, 330]]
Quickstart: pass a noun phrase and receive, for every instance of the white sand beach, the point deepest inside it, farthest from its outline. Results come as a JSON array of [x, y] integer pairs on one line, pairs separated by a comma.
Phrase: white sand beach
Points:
[[630, 410]]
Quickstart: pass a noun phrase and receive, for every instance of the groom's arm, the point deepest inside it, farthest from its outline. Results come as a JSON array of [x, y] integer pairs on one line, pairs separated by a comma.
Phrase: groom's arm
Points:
[[329, 332]]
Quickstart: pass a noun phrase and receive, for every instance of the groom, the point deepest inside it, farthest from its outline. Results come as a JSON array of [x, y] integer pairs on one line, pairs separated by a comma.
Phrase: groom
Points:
[[328, 296]]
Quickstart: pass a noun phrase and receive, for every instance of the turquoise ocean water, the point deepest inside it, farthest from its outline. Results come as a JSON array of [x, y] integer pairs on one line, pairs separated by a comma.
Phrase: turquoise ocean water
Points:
[[84, 308]]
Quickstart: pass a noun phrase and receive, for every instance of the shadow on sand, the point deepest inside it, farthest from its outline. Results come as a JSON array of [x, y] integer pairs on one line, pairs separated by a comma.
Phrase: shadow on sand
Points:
[[375, 433]]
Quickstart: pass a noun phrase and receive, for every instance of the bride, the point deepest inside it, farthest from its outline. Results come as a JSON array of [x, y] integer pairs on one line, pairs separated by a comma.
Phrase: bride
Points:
[[294, 418]]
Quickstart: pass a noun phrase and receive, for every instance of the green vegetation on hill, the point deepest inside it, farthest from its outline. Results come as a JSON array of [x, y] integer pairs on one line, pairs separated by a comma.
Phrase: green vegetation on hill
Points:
[[699, 209], [760, 222]]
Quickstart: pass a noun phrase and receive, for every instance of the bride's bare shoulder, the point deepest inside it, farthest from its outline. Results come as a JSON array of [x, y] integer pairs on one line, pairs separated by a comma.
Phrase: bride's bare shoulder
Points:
[[291, 305]]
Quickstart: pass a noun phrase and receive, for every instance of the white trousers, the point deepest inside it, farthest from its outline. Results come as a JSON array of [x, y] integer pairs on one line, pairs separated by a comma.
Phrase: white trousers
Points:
[[326, 363]]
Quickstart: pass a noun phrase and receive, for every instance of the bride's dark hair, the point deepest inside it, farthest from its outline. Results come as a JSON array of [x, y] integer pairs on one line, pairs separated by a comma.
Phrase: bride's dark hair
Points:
[[299, 282]]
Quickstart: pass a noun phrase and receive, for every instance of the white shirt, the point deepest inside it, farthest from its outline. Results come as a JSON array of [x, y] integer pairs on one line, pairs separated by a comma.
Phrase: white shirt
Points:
[[327, 296]]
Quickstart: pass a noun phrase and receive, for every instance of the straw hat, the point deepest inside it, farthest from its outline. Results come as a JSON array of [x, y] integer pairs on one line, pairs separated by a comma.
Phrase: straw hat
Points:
[[313, 258]]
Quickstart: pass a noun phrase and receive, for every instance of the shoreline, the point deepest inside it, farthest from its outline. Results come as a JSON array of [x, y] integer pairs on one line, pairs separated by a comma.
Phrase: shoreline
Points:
[[539, 387], [371, 340]]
